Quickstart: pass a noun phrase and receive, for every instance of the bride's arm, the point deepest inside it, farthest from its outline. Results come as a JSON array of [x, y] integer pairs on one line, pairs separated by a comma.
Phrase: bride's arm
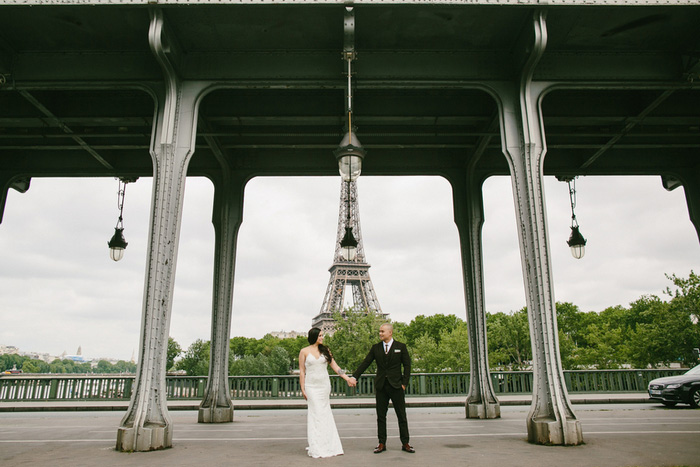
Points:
[[302, 372], [338, 370]]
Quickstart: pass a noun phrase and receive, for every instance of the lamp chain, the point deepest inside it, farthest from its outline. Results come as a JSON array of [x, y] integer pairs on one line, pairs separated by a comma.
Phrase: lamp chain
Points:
[[572, 198], [120, 202]]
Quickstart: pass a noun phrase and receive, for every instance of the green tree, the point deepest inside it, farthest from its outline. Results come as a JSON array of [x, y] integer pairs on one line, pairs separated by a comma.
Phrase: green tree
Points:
[[174, 351], [355, 333], [195, 361], [685, 306], [277, 363], [293, 347], [123, 366], [31, 366], [10, 361], [433, 326], [103, 366], [450, 352], [666, 332], [238, 346], [455, 345], [607, 339], [509, 340]]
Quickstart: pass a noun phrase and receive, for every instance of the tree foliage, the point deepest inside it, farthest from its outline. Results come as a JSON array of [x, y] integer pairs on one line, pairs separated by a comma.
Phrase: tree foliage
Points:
[[174, 351], [649, 332], [355, 333], [65, 366]]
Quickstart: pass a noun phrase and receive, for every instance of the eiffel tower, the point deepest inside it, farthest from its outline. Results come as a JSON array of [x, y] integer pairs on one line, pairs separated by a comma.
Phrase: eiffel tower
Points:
[[347, 272]]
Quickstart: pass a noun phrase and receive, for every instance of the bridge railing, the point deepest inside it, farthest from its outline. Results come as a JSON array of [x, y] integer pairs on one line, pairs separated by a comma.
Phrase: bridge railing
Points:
[[118, 387]]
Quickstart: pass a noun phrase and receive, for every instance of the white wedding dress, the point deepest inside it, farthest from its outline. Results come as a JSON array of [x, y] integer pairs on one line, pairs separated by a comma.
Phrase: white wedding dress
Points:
[[321, 431]]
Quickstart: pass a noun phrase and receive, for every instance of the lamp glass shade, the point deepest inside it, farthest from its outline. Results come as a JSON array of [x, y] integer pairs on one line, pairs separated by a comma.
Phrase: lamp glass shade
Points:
[[577, 243], [349, 156], [117, 245], [116, 253], [578, 251], [350, 167], [349, 253], [348, 245]]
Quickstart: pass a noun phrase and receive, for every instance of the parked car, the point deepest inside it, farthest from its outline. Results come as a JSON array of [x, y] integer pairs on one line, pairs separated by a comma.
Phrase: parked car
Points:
[[672, 390]]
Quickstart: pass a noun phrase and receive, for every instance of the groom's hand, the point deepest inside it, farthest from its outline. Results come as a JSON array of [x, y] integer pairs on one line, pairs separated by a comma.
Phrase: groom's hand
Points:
[[403, 387]]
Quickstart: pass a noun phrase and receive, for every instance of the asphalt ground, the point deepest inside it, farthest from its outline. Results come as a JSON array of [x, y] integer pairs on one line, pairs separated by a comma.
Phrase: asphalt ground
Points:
[[629, 434]]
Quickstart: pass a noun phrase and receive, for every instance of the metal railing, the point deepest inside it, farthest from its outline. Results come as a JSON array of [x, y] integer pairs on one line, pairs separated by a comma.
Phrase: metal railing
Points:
[[118, 387]]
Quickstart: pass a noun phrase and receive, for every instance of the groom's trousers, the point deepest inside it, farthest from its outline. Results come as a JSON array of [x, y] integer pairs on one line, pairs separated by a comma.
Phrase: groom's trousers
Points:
[[398, 398]]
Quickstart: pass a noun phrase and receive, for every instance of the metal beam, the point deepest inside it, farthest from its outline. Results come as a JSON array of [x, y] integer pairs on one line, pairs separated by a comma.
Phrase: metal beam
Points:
[[55, 121], [631, 123]]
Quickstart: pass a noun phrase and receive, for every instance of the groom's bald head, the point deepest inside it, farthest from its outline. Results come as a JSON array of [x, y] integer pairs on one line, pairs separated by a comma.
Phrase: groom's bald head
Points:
[[386, 330]]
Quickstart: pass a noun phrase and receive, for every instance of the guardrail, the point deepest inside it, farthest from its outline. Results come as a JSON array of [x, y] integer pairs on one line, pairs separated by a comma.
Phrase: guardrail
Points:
[[118, 387]]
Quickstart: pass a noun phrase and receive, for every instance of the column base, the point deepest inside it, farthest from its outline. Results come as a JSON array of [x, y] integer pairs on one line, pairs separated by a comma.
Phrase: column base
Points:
[[483, 409], [553, 432], [215, 415], [146, 438]]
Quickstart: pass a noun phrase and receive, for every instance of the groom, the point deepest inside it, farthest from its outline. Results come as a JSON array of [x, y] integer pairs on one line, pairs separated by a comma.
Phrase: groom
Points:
[[389, 383]]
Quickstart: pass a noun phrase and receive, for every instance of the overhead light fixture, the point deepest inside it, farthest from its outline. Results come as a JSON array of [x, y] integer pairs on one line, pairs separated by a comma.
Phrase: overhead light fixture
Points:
[[576, 241], [350, 152], [117, 243]]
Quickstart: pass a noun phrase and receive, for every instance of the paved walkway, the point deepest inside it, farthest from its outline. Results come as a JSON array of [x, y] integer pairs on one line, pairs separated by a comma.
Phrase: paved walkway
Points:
[[278, 404], [615, 435]]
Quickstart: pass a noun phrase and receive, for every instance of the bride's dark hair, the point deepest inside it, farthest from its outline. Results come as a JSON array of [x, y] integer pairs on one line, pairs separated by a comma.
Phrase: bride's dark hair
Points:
[[313, 337]]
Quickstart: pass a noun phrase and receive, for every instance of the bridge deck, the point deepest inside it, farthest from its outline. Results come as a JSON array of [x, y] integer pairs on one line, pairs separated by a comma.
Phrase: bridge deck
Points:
[[634, 434]]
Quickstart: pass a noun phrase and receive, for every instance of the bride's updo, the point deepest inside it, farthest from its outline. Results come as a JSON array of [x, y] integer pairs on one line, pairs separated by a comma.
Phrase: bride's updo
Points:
[[313, 337]]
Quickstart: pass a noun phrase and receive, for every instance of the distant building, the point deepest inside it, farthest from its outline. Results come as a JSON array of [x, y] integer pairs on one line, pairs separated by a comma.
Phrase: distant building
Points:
[[8, 349], [287, 334]]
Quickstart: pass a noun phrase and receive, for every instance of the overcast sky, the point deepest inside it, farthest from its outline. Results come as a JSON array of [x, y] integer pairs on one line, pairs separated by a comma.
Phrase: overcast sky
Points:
[[59, 289]]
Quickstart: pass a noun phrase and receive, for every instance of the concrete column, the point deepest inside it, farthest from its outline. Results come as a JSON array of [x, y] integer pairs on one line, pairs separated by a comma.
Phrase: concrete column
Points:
[[551, 419], [216, 406], [147, 425], [469, 216]]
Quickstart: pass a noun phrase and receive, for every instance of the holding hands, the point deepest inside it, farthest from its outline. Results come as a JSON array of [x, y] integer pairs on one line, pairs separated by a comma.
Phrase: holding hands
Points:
[[352, 382]]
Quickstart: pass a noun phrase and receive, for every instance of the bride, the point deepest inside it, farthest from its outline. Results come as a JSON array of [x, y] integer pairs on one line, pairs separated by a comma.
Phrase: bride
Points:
[[316, 387]]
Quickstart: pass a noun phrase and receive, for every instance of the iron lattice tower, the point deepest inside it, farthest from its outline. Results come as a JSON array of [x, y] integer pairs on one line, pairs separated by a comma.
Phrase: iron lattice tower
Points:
[[344, 273]]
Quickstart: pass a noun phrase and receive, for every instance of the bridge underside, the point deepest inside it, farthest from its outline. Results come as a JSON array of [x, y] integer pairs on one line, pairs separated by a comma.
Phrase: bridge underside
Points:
[[459, 89]]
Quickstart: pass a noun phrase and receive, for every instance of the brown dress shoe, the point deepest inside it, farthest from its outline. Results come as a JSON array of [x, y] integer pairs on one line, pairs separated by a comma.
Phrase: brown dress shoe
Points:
[[381, 447], [408, 448]]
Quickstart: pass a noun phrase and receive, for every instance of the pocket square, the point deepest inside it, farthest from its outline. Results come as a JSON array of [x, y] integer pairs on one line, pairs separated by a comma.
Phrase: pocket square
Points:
[[397, 350]]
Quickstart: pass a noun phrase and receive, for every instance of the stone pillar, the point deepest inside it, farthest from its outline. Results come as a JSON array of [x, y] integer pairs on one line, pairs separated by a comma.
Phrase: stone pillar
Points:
[[469, 216], [216, 406], [551, 419], [147, 425]]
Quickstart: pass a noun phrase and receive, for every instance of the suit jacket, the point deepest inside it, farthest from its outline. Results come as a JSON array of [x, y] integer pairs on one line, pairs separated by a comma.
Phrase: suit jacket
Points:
[[388, 365]]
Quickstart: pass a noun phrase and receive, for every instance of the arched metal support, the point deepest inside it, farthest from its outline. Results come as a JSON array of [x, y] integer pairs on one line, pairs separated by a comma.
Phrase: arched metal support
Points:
[[467, 197], [216, 406], [8, 181], [551, 419], [691, 186], [147, 425]]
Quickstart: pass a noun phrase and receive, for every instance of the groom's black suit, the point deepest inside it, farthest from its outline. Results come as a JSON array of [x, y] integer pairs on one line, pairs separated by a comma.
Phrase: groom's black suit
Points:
[[387, 384]]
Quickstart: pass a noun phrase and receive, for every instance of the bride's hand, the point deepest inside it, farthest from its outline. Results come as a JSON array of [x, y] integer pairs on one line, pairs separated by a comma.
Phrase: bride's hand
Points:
[[303, 393]]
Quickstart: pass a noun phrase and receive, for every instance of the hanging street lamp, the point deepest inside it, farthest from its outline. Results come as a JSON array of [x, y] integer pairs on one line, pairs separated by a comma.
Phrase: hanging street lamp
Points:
[[350, 152], [576, 241], [117, 243]]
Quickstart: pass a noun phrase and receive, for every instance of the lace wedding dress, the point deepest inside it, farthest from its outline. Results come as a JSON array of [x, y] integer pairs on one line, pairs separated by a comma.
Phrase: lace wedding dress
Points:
[[321, 431]]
